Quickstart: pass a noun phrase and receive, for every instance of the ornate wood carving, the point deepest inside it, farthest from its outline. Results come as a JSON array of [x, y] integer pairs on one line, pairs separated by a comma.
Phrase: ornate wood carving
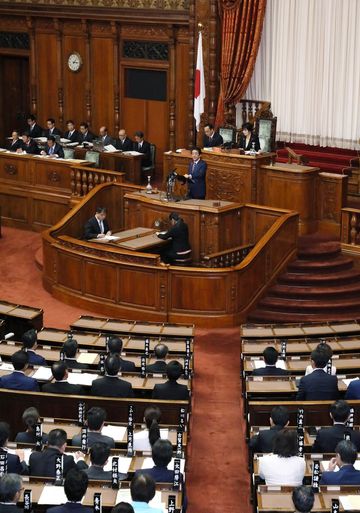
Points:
[[149, 50], [14, 40], [33, 84], [191, 123], [166, 5], [114, 32], [60, 56], [144, 32], [10, 169], [172, 89]]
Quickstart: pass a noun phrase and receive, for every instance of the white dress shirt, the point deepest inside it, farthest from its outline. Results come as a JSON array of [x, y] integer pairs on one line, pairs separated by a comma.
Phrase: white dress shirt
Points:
[[282, 471]]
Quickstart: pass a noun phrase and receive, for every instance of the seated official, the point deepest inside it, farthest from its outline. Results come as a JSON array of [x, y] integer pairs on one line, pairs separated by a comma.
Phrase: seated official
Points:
[[284, 467], [324, 347], [162, 453], [29, 341], [159, 367], [179, 234], [248, 139], [123, 507], [264, 441], [318, 386], [11, 486], [75, 487], [34, 129], [110, 385], [145, 439], [104, 136], [17, 379], [30, 418], [53, 149], [85, 135], [99, 456], [15, 141], [71, 133], [123, 143], [28, 145], [346, 455], [303, 499], [61, 386], [142, 489], [43, 463], [211, 138], [171, 388], [70, 350], [196, 175], [115, 346], [51, 129], [14, 465], [142, 146], [270, 356], [95, 422], [353, 390], [97, 227], [328, 437]]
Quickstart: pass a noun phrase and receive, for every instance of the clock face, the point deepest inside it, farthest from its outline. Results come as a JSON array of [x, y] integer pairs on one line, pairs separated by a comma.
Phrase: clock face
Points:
[[74, 61]]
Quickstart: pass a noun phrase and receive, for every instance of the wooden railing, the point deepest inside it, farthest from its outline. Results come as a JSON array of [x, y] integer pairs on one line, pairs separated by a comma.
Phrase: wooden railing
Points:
[[350, 227], [227, 258], [84, 179], [251, 109]]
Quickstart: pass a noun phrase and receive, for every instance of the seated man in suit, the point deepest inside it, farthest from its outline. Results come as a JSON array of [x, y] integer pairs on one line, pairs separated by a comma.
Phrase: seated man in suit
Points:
[[196, 175], [75, 486], [328, 437], [142, 489], [110, 385], [30, 418], [61, 386], [17, 379], [15, 141], [123, 143], [71, 133], [43, 463], [303, 498], [70, 349], [85, 134], [99, 456], [318, 386], [353, 390], [95, 422], [263, 442], [171, 389], [14, 465], [28, 146], [53, 149], [11, 486], [346, 455], [115, 345], [160, 350], [104, 136], [179, 235], [35, 130], [270, 356], [161, 453], [29, 340], [142, 146], [211, 138], [97, 227], [51, 128]]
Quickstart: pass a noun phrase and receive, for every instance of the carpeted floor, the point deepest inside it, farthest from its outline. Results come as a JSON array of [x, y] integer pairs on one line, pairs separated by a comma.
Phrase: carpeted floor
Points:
[[217, 477]]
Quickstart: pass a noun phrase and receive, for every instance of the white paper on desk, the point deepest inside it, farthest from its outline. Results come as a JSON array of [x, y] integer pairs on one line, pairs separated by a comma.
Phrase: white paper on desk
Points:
[[149, 463], [259, 364], [53, 495], [132, 153], [350, 502], [115, 432], [124, 464], [6, 366], [42, 374], [110, 147], [86, 357], [41, 139], [3, 149], [72, 144], [110, 237], [348, 381], [124, 495], [83, 378], [64, 140], [325, 465]]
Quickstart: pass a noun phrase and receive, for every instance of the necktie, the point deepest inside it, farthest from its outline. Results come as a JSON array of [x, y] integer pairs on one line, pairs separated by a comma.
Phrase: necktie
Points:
[[51, 150], [101, 227]]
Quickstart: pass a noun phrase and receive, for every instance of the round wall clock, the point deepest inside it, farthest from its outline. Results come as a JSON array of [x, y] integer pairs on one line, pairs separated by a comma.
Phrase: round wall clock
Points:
[[74, 61]]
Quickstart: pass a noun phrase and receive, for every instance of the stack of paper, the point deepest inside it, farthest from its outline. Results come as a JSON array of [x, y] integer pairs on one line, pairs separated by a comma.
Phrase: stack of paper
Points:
[[259, 364], [88, 358], [350, 502], [6, 366], [124, 464], [84, 378], [42, 374], [52, 495], [348, 381], [115, 432], [132, 153]]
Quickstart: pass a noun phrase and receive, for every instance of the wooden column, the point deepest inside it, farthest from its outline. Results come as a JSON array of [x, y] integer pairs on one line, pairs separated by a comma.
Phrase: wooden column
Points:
[[114, 31], [172, 80], [59, 61]]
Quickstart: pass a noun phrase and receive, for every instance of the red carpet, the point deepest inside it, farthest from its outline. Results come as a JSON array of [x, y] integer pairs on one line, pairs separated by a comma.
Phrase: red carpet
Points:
[[217, 477]]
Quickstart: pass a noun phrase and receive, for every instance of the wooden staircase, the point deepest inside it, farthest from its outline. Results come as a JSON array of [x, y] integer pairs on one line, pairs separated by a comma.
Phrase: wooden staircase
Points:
[[320, 285]]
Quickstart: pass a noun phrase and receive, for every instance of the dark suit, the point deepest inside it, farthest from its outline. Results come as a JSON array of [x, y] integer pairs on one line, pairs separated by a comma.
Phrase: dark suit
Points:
[[157, 367], [215, 140], [125, 145], [347, 475], [127, 366], [353, 390], [318, 386], [70, 507], [145, 149], [263, 442], [15, 145], [247, 147], [197, 182], [14, 465], [35, 359], [163, 475], [328, 438], [93, 438], [43, 463], [35, 131], [10, 508], [26, 437], [87, 137], [97, 473], [62, 387], [73, 364], [31, 148], [92, 228], [57, 150], [171, 390], [18, 381], [55, 131], [74, 137], [111, 387], [179, 235], [270, 370], [106, 140]]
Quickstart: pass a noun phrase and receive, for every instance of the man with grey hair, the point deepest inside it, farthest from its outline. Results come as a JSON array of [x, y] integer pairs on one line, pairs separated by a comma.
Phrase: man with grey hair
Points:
[[10, 490], [303, 498]]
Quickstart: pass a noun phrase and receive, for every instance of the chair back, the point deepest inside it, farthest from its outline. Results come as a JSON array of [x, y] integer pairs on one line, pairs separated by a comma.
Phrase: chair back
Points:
[[149, 170], [93, 156], [68, 153]]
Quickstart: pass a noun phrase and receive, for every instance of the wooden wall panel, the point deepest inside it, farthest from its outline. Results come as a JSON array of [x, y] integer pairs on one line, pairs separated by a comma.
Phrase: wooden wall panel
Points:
[[182, 88], [69, 271], [74, 83], [133, 283], [100, 288], [47, 76]]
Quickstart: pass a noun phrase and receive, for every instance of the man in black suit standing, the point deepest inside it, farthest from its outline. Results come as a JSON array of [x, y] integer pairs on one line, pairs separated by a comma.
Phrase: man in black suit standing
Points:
[[123, 143], [318, 386], [85, 135], [328, 437], [270, 356], [179, 248], [159, 367], [35, 130], [104, 136], [53, 149], [110, 385], [142, 146], [263, 442], [61, 386], [10, 491], [97, 227], [211, 138], [71, 134], [75, 486], [171, 389], [28, 146], [51, 128]]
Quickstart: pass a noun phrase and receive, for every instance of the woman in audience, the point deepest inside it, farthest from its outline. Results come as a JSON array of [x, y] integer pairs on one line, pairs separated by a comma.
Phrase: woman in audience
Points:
[[30, 418], [145, 439], [283, 467], [324, 347]]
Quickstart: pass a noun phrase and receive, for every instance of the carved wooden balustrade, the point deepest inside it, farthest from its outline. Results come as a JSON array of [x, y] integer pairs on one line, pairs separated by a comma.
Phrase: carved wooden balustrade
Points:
[[251, 109], [350, 227], [84, 179], [227, 258]]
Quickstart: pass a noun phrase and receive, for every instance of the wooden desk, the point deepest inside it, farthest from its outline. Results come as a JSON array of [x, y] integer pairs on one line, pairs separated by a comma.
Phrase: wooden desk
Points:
[[300, 347], [20, 318], [323, 330]]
